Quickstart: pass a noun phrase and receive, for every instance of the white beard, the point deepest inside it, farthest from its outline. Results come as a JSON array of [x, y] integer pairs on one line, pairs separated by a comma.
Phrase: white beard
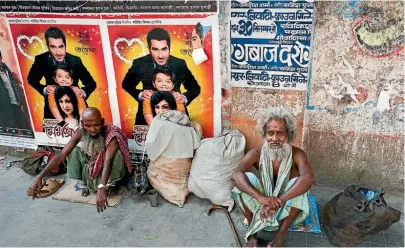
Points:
[[278, 153], [92, 146]]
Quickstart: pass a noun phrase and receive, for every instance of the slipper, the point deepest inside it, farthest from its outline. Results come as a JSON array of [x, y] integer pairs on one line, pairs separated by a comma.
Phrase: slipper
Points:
[[49, 187]]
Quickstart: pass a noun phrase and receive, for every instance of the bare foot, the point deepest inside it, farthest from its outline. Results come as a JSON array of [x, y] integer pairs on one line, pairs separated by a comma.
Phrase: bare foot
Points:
[[252, 242], [85, 191], [277, 242]]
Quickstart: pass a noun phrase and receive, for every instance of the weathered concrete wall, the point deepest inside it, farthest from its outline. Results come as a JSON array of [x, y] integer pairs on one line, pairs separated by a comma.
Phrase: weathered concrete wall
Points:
[[355, 111], [247, 103], [357, 63], [347, 140]]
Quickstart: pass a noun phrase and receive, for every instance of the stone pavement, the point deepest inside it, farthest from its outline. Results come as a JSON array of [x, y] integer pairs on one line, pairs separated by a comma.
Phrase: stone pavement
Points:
[[47, 222], [393, 237]]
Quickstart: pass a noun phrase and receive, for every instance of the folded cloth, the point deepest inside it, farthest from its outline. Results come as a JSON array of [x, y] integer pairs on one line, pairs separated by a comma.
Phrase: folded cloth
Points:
[[171, 135]]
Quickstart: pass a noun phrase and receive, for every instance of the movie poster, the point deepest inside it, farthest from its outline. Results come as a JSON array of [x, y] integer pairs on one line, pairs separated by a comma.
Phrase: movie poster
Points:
[[15, 123], [177, 59], [62, 66], [69, 56]]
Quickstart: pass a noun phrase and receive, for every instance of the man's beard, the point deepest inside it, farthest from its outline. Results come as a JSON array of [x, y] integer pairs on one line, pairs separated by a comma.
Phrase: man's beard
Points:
[[278, 153], [92, 146]]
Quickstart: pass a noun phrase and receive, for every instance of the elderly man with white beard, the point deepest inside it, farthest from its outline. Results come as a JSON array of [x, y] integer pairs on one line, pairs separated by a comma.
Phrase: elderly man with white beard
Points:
[[280, 200], [97, 154]]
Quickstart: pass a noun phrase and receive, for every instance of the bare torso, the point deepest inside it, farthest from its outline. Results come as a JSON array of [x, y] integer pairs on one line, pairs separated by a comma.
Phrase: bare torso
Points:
[[276, 164]]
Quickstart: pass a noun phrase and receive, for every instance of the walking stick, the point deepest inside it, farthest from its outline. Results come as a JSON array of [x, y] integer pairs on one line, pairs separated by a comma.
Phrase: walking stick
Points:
[[235, 235]]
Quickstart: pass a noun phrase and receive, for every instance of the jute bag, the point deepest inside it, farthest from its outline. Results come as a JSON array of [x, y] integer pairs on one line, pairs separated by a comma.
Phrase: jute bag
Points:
[[169, 177], [170, 144]]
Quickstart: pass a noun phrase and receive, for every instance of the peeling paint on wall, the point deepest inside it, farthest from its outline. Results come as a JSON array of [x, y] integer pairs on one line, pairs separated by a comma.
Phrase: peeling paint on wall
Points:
[[355, 111], [346, 78]]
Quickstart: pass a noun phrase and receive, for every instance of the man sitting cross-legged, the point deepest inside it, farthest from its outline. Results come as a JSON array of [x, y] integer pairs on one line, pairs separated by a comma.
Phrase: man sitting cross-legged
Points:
[[97, 154], [282, 200]]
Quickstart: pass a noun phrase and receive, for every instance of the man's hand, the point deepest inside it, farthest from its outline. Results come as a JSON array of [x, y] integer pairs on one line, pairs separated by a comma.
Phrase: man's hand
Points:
[[179, 97], [267, 212], [50, 89], [146, 94], [78, 91], [272, 202], [36, 187], [101, 201]]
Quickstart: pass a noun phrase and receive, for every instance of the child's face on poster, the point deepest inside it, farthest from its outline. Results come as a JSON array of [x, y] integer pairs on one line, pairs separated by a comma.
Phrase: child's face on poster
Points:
[[63, 78], [163, 82]]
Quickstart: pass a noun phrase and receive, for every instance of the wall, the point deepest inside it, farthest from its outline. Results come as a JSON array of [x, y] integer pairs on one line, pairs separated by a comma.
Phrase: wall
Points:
[[357, 137], [242, 107], [357, 62], [346, 141], [223, 17]]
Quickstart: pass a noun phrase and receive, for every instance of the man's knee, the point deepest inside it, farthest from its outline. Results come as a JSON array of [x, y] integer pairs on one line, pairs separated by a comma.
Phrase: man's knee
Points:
[[75, 163], [251, 176], [253, 179], [295, 211]]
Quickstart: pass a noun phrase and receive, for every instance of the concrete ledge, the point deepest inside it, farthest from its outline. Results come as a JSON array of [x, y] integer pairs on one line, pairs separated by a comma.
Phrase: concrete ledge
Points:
[[15, 151]]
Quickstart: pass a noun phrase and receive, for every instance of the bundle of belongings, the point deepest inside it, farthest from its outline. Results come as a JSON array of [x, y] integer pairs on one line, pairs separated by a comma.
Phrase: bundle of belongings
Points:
[[170, 145], [356, 212], [39, 160], [213, 164], [36, 163]]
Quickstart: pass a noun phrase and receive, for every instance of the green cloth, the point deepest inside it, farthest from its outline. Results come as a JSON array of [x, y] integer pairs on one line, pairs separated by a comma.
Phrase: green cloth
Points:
[[243, 199], [77, 168]]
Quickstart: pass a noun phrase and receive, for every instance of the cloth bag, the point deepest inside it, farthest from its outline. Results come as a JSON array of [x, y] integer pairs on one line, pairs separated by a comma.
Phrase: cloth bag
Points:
[[39, 160], [170, 144], [213, 164], [356, 212]]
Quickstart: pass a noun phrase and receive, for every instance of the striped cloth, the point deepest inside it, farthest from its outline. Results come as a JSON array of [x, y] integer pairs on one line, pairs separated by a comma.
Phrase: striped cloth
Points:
[[97, 161], [283, 183]]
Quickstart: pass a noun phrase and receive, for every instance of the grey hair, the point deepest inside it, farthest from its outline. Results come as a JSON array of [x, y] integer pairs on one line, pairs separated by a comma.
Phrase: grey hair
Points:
[[278, 114]]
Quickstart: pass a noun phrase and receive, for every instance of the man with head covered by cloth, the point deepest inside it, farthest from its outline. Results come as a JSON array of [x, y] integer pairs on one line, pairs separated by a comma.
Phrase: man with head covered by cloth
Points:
[[97, 154], [280, 200]]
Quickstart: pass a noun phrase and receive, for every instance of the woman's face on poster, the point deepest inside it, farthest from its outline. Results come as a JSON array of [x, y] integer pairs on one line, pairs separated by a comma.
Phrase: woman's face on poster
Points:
[[66, 105], [161, 107], [196, 41], [63, 78], [163, 82]]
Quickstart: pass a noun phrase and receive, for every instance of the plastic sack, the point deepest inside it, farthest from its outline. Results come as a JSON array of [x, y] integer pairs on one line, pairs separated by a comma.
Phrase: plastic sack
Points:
[[356, 212], [213, 164]]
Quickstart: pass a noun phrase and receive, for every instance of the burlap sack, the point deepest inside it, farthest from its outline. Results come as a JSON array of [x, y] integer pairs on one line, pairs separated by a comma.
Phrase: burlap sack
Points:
[[169, 177]]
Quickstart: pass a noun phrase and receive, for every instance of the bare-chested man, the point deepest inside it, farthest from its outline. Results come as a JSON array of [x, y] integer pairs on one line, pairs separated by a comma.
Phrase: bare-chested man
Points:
[[281, 200], [97, 154]]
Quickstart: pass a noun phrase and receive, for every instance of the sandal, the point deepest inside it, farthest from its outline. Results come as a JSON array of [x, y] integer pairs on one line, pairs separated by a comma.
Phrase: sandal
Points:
[[49, 187]]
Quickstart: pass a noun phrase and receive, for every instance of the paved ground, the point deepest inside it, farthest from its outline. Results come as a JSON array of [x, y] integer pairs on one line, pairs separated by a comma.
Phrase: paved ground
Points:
[[47, 222]]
